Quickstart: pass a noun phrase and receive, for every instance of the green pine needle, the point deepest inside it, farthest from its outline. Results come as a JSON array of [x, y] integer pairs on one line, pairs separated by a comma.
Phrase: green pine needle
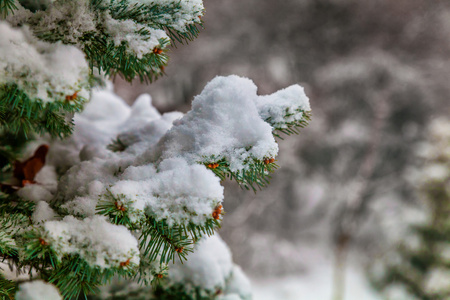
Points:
[[160, 241], [24, 115], [117, 146], [291, 127], [75, 278], [118, 209], [256, 176], [7, 288], [7, 7]]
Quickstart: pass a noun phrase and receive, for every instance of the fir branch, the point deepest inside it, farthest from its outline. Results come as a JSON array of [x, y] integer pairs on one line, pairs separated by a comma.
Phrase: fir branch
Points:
[[180, 292], [102, 51], [117, 145], [207, 229], [38, 252], [75, 277], [154, 15], [9, 225], [119, 210], [159, 240], [103, 54], [7, 7], [293, 127], [154, 270], [256, 176], [190, 34], [24, 115], [7, 288], [72, 275], [13, 205]]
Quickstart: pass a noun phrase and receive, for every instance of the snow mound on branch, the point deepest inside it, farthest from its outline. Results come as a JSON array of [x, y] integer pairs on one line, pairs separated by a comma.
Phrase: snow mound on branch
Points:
[[159, 169], [238, 284], [37, 290], [43, 212], [95, 240], [178, 192], [94, 168], [211, 268], [223, 123], [40, 69], [284, 106]]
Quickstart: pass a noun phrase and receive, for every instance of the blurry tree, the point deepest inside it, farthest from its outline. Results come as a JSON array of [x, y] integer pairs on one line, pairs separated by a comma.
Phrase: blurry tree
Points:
[[421, 270]]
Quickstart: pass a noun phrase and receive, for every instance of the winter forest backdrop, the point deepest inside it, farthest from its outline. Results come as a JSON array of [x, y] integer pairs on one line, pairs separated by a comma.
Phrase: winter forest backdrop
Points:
[[377, 74]]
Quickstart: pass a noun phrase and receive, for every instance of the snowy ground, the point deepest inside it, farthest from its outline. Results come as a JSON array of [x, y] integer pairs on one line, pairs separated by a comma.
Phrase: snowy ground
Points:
[[316, 285]]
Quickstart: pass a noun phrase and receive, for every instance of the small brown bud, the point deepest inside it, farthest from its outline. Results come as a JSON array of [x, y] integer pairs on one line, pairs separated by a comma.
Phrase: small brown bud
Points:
[[119, 206], [217, 212], [72, 97], [125, 263], [157, 50]]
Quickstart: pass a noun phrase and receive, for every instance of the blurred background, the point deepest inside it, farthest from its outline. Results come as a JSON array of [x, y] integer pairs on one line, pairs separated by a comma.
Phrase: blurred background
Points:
[[349, 193]]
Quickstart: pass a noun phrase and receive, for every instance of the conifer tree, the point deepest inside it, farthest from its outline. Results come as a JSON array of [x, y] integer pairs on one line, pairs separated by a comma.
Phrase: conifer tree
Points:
[[94, 191], [421, 268]]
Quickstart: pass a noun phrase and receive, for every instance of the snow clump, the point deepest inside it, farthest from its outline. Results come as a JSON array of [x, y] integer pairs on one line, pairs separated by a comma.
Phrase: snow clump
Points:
[[37, 290]]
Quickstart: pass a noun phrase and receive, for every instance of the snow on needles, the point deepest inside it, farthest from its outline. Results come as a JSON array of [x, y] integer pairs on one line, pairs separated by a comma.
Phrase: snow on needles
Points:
[[227, 120], [83, 23], [283, 107], [179, 193], [210, 268], [40, 69], [160, 171], [223, 123], [95, 240], [128, 32], [185, 12]]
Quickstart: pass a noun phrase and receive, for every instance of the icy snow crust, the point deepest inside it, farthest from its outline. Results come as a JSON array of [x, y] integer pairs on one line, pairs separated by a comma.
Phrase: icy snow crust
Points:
[[162, 171], [41, 69]]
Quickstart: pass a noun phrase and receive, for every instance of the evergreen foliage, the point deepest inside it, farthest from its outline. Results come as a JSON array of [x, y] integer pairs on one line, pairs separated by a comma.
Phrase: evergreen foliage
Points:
[[22, 115], [256, 177], [7, 7], [7, 288], [423, 269], [46, 227]]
